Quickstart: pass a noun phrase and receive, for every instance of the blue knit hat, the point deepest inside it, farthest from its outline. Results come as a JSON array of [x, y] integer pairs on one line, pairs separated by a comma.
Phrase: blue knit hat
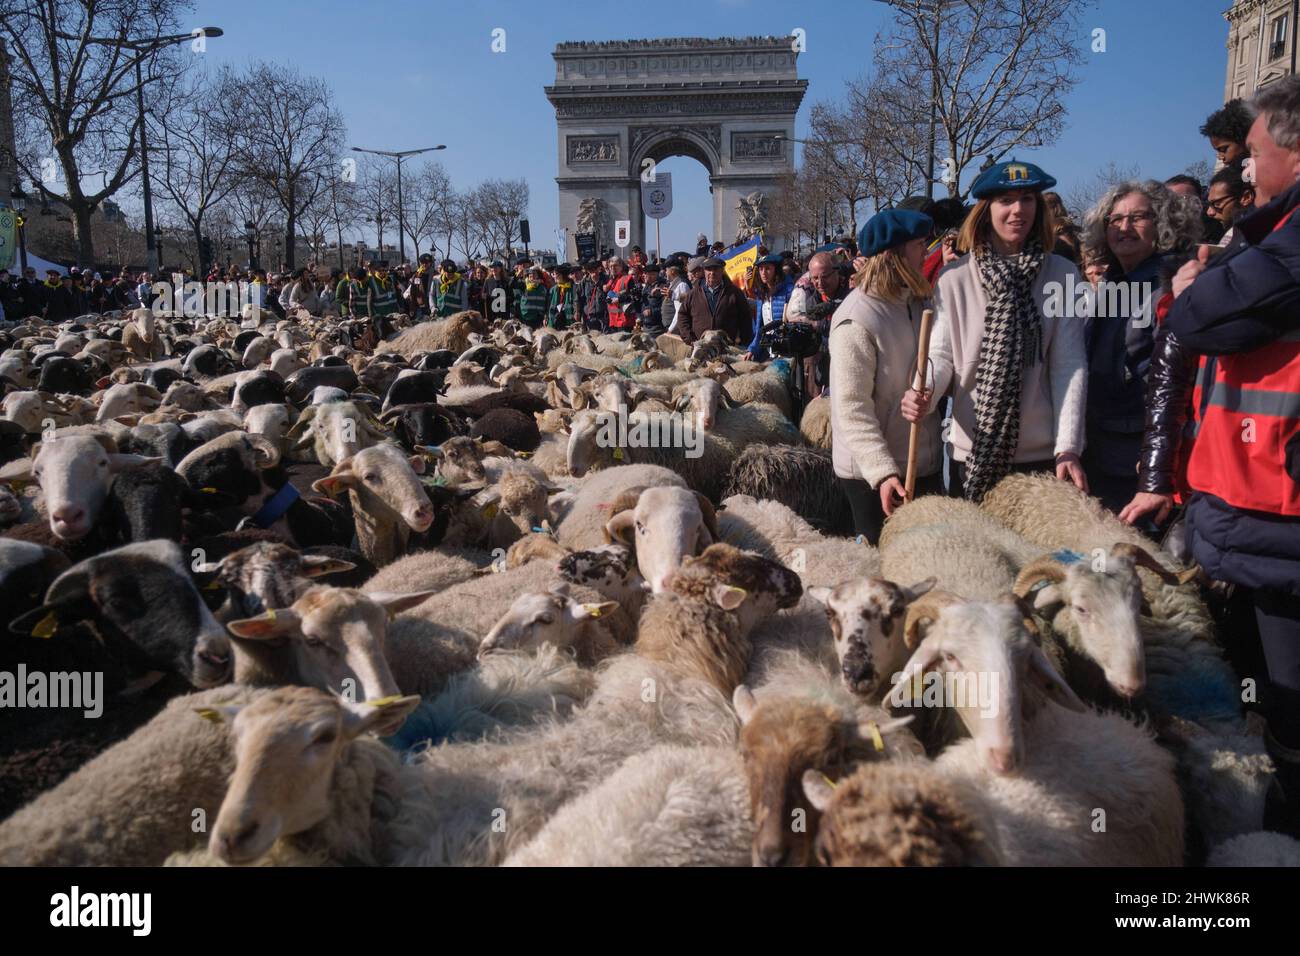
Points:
[[893, 227], [1010, 175]]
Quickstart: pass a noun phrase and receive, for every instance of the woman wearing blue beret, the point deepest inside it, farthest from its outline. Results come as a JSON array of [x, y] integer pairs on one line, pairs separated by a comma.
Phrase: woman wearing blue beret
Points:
[[873, 344], [1017, 371]]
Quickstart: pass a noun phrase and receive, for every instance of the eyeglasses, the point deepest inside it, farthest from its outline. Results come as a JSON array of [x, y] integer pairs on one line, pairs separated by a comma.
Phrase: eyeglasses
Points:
[[1133, 217], [1216, 206]]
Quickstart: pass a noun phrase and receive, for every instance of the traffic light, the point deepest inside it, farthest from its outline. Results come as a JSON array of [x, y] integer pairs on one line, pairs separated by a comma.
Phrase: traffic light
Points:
[[524, 237]]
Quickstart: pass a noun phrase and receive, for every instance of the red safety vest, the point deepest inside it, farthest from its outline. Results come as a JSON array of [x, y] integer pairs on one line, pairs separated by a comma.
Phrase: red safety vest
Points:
[[617, 318], [1249, 408]]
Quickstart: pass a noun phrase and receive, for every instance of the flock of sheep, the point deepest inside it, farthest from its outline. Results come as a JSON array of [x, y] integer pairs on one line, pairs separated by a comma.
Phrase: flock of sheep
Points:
[[405, 604]]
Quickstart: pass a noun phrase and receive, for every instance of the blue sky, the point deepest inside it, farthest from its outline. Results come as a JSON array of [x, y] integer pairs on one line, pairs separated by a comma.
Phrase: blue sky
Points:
[[408, 74]]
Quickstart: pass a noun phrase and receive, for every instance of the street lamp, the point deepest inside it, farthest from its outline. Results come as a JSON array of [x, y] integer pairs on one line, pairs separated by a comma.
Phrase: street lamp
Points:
[[250, 233], [399, 155], [154, 253], [18, 200], [157, 244]]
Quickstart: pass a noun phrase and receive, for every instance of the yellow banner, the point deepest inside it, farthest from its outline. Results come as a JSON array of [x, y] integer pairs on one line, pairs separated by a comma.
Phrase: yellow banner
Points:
[[739, 260]]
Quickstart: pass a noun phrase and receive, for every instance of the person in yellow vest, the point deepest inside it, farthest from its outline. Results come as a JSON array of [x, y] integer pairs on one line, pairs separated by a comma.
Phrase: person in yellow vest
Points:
[[381, 298], [1241, 309]]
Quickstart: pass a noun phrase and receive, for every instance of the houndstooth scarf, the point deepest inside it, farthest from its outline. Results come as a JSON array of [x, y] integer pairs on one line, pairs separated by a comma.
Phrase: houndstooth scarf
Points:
[[1013, 333]]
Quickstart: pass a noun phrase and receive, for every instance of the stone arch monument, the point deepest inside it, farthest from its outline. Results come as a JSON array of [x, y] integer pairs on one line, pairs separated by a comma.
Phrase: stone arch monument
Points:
[[721, 102]]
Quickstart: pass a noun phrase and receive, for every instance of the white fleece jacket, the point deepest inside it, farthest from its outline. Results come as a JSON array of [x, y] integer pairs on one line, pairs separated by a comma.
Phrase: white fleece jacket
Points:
[[1054, 391]]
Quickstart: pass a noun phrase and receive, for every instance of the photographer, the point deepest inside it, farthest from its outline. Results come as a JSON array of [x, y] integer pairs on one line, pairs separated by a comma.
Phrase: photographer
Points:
[[772, 291], [813, 304]]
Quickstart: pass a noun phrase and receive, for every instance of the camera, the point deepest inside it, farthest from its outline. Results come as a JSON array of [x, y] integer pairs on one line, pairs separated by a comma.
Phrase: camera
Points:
[[792, 340]]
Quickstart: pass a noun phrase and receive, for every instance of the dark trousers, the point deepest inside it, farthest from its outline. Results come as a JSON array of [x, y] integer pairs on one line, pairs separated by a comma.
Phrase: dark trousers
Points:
[[868, 515], [1278, 617], [957, 474]]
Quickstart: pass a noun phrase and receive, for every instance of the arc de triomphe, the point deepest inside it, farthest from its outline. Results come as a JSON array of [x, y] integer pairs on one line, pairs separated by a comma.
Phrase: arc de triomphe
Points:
[[619, 103]]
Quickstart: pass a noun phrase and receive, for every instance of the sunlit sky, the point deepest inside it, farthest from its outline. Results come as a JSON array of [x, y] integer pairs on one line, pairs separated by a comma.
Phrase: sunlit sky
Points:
[[409, 74]]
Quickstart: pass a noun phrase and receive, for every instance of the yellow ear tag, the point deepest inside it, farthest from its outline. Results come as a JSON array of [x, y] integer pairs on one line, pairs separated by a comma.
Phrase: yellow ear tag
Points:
[[212, 586], [523, 454], [593, 609], [385, 701], [46, 626], [876, 739], [17, 484], [207, 713], [735, 590], [270, 615], [208, 491], [618, 454], [490, 511], [829, 782]]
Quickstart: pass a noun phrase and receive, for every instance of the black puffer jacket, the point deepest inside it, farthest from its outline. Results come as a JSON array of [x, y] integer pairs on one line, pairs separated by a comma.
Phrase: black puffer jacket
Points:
[[1170, 381]]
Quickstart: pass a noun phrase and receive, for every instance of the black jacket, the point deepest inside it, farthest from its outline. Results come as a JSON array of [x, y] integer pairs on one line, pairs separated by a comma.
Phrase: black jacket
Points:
[[1170, 381]]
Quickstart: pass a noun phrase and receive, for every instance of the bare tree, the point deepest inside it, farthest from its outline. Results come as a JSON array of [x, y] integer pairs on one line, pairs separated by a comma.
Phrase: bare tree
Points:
[[289, 138], [1086, 194], [427, 197], [196, 166], [74, 94], [998, 70], [376, 194], [504, 202]]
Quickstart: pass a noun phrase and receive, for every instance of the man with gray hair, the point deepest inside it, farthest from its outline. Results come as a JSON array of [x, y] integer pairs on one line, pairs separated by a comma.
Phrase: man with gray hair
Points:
[[814, 300], [1241, 311]]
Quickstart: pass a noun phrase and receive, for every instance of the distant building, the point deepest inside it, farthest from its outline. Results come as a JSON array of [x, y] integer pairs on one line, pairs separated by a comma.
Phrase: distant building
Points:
[[1261, 45]]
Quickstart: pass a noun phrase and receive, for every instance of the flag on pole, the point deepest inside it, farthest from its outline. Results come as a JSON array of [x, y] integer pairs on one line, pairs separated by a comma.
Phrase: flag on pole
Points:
[[740, 259]]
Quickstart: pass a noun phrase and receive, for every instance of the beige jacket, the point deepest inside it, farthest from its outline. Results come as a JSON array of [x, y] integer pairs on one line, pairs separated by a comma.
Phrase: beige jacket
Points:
[[873, 353], [1054, 391]]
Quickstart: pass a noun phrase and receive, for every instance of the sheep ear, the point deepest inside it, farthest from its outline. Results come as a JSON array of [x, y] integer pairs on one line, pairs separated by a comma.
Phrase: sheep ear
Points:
[[921, 587], [926, 653], [1043, 675], [742, 698], [319, 565], [338, 480], [265, 626], [728, 597], [817, 789], [395, 603], [119, 462], [360, 718], [620, 528], [220, 715], [1049, 595], [17, 470], [820, 594], [580, 612], [417, 463]]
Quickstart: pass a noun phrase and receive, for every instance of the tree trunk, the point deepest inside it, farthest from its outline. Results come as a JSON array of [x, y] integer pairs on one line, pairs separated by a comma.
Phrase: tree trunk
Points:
[[290, 228], [85, 241]]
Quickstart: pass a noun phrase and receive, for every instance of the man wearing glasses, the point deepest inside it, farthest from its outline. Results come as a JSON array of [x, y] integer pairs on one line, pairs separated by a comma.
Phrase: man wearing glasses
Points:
[[1230, 198]]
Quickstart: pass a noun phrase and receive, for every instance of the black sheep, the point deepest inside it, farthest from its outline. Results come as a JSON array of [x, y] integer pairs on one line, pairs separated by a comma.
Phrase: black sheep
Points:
[[426, 423], [264, 387], [62, 374], [511, 427], [146, 503], [299, 386]]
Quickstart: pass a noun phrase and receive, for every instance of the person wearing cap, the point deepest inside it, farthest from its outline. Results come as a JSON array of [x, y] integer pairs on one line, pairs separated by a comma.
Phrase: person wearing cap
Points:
[[592, 305], [1017, 375], [381, 298], [561, 301], [452, 293], [771, 291], [534, 299], [497, 293], [716, 303], [873, 341], [622, 295]]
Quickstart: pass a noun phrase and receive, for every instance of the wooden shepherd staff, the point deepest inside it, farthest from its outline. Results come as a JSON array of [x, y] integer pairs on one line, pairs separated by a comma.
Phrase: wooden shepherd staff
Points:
[[918, 385]]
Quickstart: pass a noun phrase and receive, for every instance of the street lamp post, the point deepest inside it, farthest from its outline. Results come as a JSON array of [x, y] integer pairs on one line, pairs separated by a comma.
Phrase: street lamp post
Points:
[[153, 253], [933, 8], [18, 199], [398, 155], [250, 232]]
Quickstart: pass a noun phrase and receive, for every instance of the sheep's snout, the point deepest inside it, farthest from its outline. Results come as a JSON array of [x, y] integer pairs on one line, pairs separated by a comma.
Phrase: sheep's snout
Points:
[[771, 854], [213, 663], [1001, 759], [70, 522], [420, 517], [243, 840], [859, 674]]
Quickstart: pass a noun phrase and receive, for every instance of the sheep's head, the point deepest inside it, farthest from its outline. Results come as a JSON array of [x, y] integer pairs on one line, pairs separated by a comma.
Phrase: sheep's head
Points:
[[460, 461], [338, 638], [74, 472], [521, 506], [534, 619], [783, 738], [752, 586], [287, 745], [338, 430], [701, 398], [268, 574], [1102, 599], [610, 569], [895, 815], [662, 525], [385, 483], [271, 421], [586, 447], [984, 663], [866, 618], [461, 376]]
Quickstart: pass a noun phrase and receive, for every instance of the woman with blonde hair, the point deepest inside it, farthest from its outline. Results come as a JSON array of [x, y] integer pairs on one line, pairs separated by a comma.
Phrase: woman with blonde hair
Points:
[[873, 343], [1015, 362]]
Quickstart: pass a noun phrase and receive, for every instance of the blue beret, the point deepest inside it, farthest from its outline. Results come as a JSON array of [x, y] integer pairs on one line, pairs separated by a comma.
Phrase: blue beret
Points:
[[893, 227], [1012, 175], [770, 259]]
